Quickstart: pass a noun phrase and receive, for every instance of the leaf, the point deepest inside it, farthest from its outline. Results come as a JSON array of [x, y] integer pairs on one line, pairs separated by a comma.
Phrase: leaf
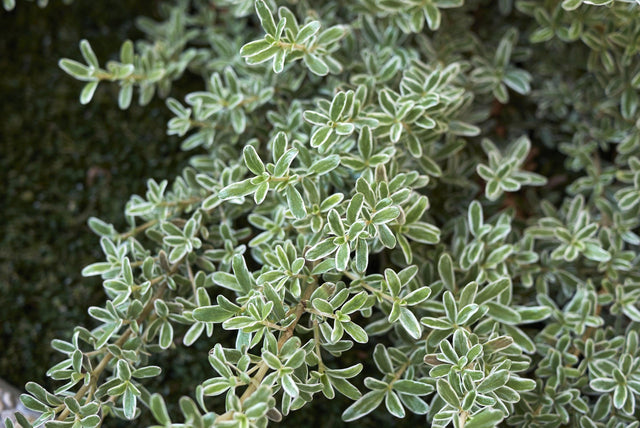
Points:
[[284, 163], [393, 405], [295, 202], [252, 160], [385, 215], [412, 387], [306, 32], [596, 253], [88, 54], [325, 165], [446, 392], [432, 15], [266, 18], [316, 64], [364, 405], [382, 359], [486, 418], [129, 403], [87, 92], [493, 381], [356, 332], [410, 323], [320, 250], [237, 190], [289, 386], [159, 409], [215, 314], [125, 95], [166, 335], [445, 270], [503, 313], [76, 69]]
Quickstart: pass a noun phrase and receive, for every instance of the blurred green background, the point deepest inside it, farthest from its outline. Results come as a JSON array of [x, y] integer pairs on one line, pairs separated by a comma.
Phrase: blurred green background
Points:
[[61, 163]]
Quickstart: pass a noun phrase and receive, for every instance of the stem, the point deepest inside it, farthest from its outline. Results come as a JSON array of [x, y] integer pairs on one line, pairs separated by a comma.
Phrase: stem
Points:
[[95, 374], [462, 418], [138, 229], [375, 291], [263, 368], [316, 338]]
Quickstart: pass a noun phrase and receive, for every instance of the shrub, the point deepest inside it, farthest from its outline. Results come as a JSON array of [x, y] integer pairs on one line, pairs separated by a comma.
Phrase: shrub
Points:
[[452, 187]]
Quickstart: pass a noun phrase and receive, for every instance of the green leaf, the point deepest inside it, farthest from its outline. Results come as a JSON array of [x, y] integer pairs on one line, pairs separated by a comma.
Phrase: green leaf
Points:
[[422, 232], [503, 313], [149, 371], [87, 92], [125, 95], [295, 202], [356, 332], [393, 405], [325, 165], [284, 163], [355, 303], [306, 32], [486, 418], [159, 409], [88, 54], [410, 323], [215, 314], [316, 64], [166, 335], [445, 270], [596, 253], [252, 160], [432, 15], [446, 392], [385, 215], [129, 403], [237, 190], [412, 387], [266, 18], [77, 70], [259, 56], [320, 250], [382, 359], [493, 381], [364, 405]]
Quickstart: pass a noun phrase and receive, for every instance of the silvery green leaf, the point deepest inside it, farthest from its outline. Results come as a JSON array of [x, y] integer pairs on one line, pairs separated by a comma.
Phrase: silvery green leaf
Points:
[[237, 190], [321, 249], [88, 54], [77, 70], [364, 405], [87, 92], [412, 387], [393, 405], [306, 32], [125, 95], [266, 18], [316, 64], [486, 418], [382, 359], [296, 203], [446, 392], [356, 332], [410, 323], [385, 215]]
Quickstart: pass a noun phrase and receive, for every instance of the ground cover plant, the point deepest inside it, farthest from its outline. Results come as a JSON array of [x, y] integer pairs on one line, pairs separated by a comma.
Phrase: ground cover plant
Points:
[[450, 187]]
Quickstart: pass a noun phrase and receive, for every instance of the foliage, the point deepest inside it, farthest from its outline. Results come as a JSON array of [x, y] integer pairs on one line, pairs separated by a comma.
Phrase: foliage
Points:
[[364, 179]]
